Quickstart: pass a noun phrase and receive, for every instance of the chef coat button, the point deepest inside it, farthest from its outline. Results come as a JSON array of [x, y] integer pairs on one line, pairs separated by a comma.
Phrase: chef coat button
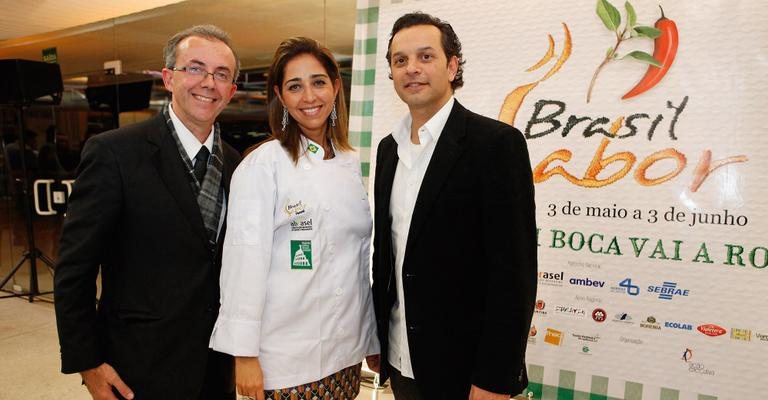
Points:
[[339, 291]]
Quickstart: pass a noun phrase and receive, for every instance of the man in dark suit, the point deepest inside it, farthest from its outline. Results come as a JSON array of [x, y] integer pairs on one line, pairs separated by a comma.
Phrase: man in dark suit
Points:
[[454, 263], [147, 211]]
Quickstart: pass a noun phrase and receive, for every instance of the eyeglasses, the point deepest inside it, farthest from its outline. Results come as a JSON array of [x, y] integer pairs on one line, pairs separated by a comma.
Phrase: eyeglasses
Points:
[[196, 70]]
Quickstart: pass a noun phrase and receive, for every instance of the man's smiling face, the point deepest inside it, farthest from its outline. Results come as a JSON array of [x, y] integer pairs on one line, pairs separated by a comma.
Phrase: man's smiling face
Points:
[[197, 101]]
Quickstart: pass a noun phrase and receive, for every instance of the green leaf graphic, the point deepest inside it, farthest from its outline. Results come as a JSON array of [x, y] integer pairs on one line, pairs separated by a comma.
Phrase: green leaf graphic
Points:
[[648, 31], [608, 14], [643, 57], [631, 15], [609, 52]]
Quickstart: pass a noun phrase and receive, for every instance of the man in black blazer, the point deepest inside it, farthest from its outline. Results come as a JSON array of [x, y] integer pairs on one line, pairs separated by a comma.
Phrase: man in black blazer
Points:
[[454, 263], [147, 212]]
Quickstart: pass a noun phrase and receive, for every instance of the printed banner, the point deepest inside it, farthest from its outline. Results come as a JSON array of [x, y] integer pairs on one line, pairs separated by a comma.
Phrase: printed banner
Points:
[[646, 134]]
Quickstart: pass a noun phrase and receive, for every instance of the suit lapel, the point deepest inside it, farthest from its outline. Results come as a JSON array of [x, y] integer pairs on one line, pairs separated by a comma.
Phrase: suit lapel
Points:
[[447, 151], [174, 174], [386, 175]]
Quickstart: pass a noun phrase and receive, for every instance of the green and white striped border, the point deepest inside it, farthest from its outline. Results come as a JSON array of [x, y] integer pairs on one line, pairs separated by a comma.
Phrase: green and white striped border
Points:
[[363, 76], [566, 385]]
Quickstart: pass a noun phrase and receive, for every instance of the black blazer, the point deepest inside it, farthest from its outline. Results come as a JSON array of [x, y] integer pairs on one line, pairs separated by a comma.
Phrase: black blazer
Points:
[[134, 217], [469, 273]]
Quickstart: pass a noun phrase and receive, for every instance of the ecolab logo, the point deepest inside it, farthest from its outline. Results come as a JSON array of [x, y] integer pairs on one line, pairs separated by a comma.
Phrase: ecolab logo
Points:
[[586, 282], [668, 290], [678, 325], [711, 330]]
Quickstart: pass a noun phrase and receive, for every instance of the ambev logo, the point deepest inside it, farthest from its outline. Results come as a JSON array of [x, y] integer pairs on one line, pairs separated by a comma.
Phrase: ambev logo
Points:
[[711, 330]]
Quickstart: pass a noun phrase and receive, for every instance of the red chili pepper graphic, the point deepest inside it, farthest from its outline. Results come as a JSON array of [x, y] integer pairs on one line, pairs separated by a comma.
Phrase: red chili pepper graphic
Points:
[[664, 50]]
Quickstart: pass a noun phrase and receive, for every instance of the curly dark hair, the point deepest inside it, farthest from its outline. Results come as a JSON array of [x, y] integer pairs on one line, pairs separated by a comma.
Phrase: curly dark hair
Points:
[[449, 40]]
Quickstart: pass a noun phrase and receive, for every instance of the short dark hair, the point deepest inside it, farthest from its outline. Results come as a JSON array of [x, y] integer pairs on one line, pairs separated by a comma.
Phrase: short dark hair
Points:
[[449, 40]]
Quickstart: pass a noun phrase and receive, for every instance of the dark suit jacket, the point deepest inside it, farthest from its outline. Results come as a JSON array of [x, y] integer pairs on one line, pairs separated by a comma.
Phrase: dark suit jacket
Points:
[[134, 216], [469, 273]]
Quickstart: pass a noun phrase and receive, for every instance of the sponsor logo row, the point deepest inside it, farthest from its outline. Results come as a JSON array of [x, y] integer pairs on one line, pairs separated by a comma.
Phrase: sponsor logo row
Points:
[[585, 345], [600, 315], [665, 290]]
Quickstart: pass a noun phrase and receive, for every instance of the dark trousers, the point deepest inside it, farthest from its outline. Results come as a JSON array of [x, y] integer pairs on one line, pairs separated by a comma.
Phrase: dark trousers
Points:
[[403, 388], [219, 381]]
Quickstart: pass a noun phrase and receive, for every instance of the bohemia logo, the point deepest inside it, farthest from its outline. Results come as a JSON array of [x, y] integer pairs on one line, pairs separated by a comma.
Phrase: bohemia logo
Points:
[[650, 323], [668, 290], [711, 330], [548, 118]]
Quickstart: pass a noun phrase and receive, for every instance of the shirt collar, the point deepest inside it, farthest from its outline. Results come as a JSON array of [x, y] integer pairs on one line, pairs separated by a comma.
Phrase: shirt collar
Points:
[[433, 127], [187, 138], [313, 150]]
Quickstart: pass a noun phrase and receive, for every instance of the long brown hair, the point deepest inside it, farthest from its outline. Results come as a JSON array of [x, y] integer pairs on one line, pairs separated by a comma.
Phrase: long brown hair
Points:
[[290, 139]]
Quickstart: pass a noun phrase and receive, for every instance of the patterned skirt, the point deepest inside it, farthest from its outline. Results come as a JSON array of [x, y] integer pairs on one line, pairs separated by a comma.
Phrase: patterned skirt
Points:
[[343, 385]]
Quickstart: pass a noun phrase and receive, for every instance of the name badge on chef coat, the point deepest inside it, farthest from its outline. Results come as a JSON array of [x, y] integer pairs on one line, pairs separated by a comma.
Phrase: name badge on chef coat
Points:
[[301, 254]]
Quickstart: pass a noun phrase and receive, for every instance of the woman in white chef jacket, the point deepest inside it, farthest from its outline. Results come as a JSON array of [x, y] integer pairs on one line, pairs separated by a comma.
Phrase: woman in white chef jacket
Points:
[[296, 308]]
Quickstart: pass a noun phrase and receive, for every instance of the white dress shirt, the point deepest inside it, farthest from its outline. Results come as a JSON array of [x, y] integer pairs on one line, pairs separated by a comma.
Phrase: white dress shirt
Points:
[[411, 167], [295, 288], [191, 146]]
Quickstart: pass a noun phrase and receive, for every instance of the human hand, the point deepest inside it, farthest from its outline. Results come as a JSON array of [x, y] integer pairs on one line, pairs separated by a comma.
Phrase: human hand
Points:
[[475, 393], [248, 377], [100, 381], [373, 362]]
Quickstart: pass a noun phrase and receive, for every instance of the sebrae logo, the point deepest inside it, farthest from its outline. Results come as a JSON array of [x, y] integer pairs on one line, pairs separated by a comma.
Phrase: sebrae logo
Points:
[[668, 290], [547, 117]]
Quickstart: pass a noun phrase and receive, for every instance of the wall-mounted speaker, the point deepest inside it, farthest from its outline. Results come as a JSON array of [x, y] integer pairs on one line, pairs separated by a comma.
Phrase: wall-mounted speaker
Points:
[[23, 82]]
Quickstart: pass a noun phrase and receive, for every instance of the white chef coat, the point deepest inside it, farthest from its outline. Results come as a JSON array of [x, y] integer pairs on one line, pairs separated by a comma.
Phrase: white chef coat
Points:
[[295, 288]]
